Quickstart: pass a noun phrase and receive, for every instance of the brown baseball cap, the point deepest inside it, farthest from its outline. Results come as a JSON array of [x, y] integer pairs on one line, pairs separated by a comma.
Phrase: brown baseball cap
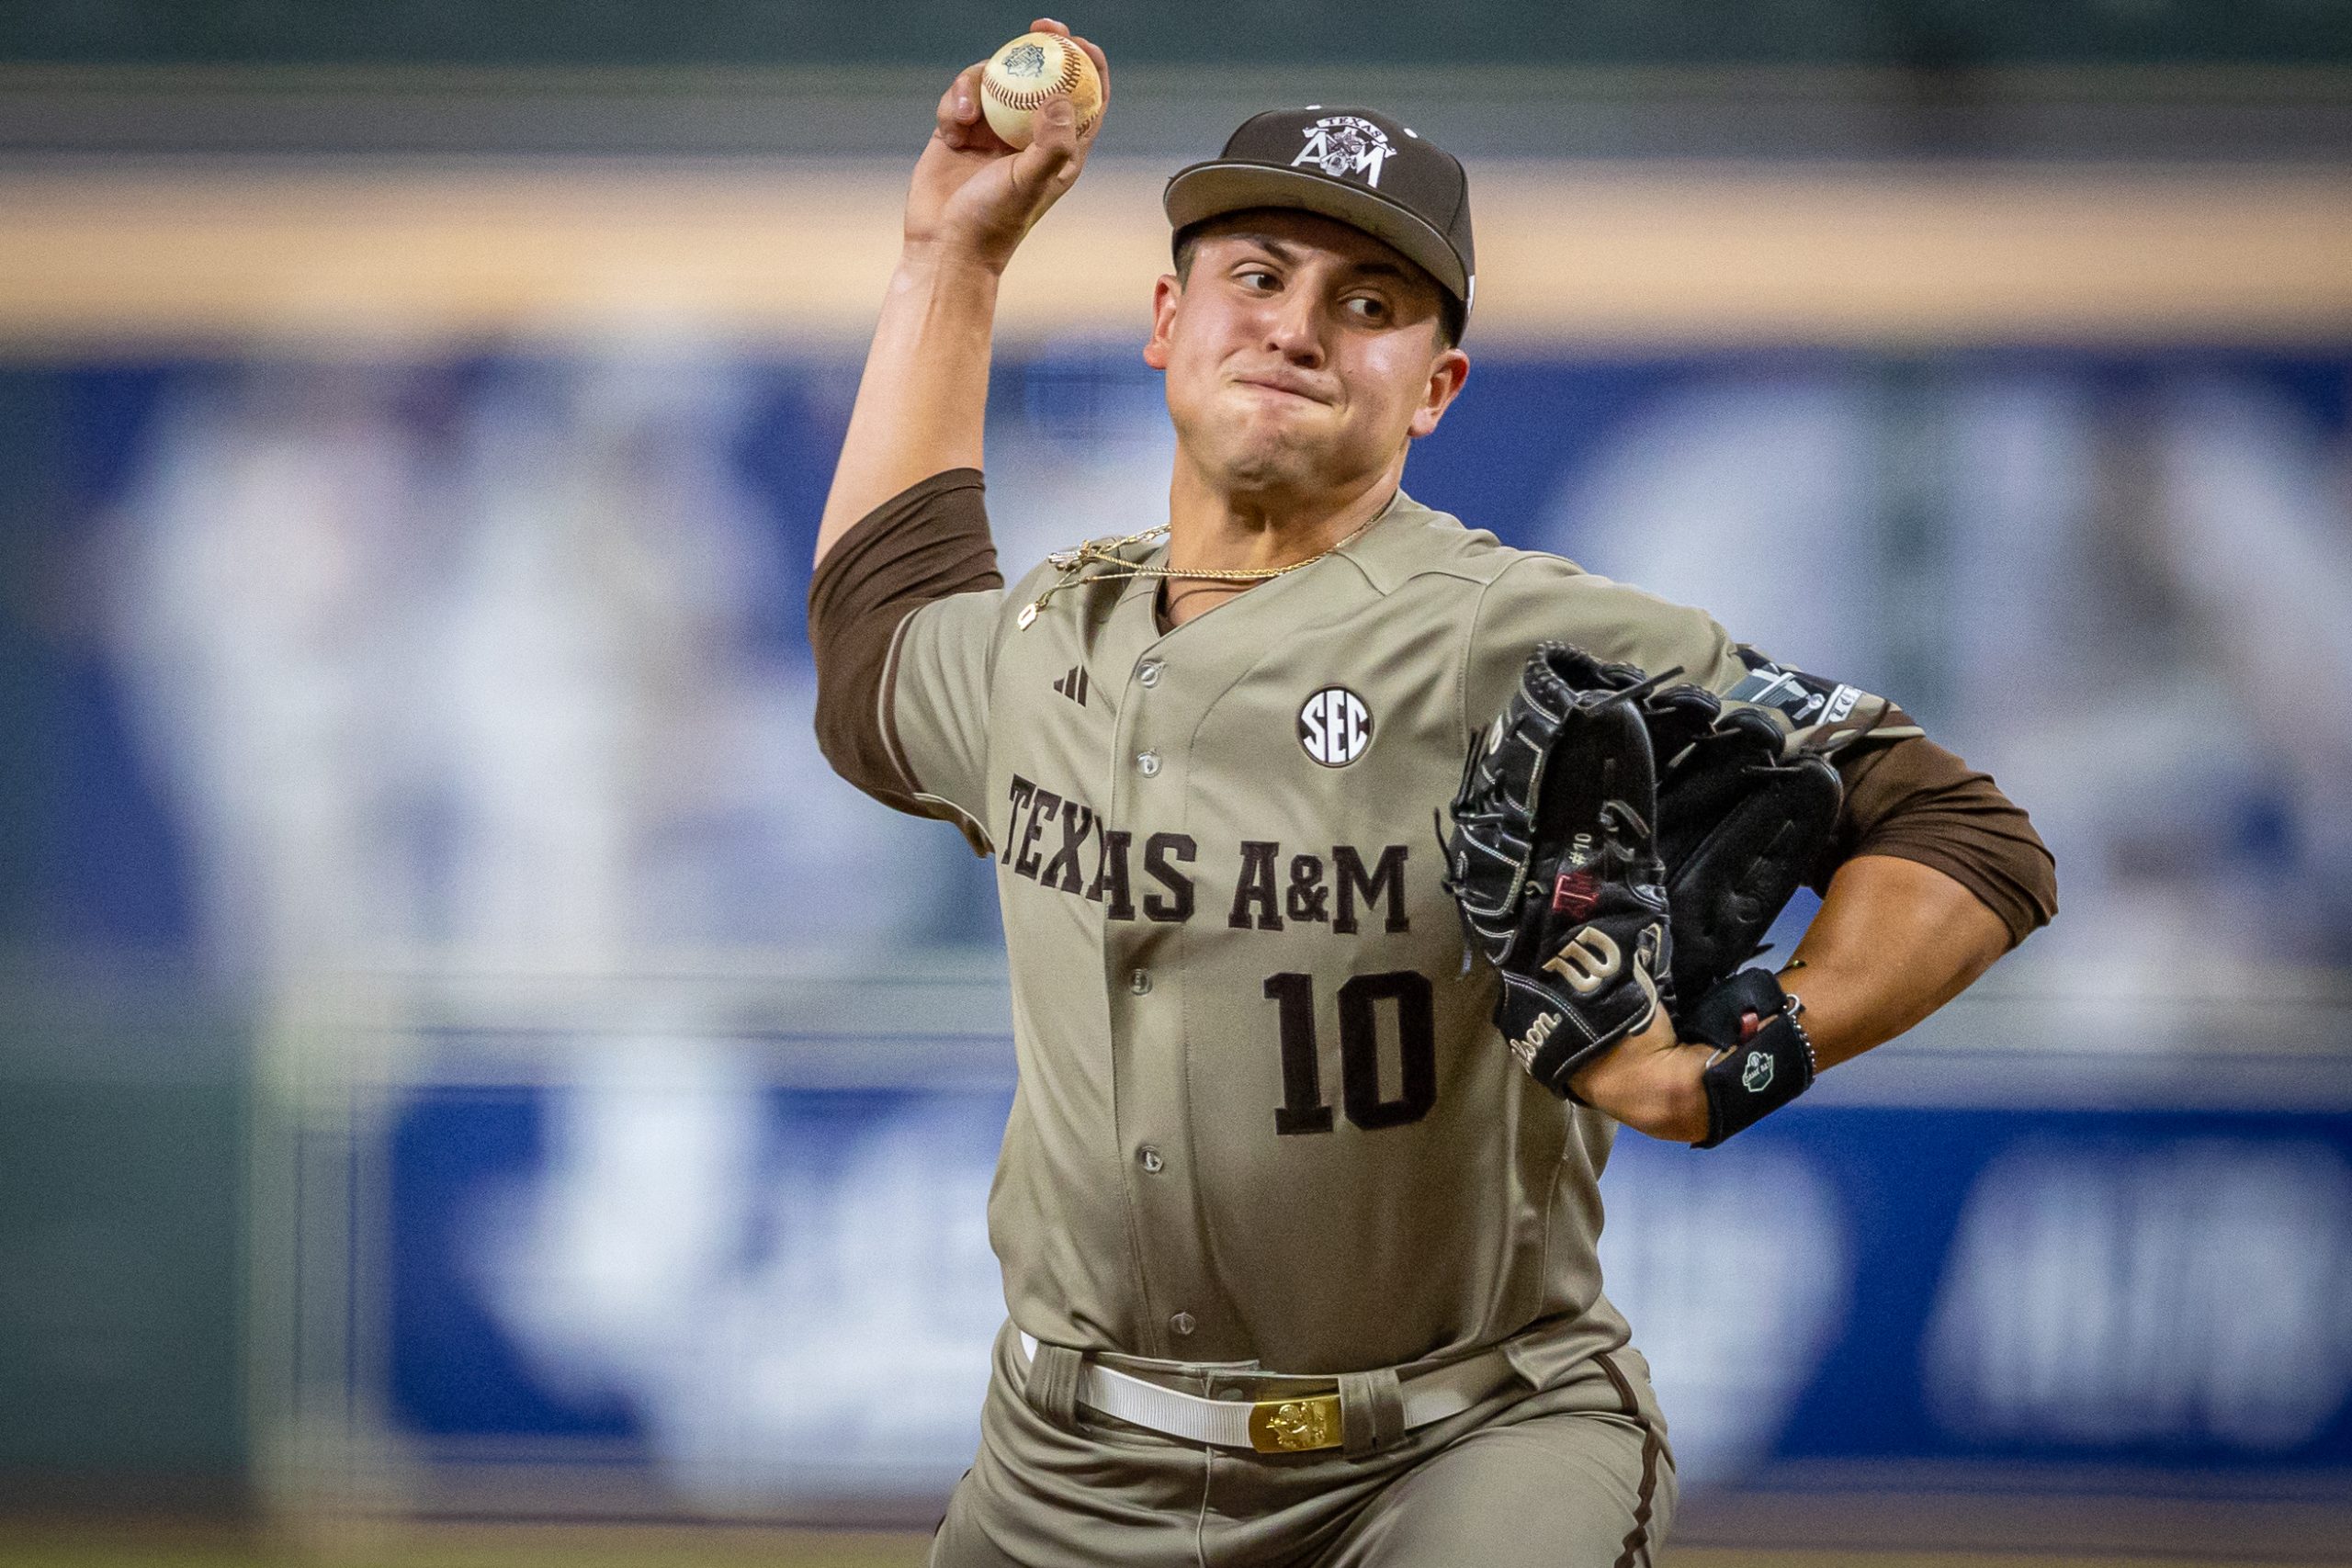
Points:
[[1353, 164]]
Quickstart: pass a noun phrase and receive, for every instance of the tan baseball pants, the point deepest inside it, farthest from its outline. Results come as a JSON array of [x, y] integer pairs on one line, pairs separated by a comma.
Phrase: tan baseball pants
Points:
[[1576, 1476]]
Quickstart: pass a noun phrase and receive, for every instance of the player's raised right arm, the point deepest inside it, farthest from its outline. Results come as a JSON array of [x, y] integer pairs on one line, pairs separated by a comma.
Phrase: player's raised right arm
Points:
[[924, 398]]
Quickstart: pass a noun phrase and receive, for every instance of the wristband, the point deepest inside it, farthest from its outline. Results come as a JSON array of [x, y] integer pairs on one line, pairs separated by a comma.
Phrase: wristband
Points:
[[1763, 1057]]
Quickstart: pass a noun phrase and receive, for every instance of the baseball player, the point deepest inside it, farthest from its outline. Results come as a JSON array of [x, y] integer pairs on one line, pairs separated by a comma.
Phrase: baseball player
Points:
[[1299, 1258]]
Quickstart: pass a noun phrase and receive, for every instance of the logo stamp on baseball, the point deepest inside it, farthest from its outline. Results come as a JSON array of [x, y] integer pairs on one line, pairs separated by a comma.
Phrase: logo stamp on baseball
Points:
[[1034, 68]]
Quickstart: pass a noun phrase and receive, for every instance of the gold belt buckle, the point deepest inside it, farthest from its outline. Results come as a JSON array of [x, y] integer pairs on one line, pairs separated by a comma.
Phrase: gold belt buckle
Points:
[[1295, 1426]]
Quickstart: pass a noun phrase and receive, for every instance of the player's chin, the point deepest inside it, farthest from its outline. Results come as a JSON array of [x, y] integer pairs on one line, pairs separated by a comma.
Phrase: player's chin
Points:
[[1262, 459], [1286, 487]]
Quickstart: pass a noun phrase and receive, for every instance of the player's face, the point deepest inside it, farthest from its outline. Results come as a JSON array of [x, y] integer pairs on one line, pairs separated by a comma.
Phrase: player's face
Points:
[[1301, 356]]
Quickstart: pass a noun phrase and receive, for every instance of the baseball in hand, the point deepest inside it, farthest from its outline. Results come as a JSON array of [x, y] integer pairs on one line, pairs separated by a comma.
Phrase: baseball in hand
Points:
[[1030, 70]]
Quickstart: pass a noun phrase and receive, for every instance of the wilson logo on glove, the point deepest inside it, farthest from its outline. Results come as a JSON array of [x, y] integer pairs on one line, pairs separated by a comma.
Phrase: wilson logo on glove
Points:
[[1555, 871], [1588, 962], [1539, 1031]]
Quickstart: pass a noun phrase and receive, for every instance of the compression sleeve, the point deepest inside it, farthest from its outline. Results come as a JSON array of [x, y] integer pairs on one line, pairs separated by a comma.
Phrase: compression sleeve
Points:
[[1915, 800]]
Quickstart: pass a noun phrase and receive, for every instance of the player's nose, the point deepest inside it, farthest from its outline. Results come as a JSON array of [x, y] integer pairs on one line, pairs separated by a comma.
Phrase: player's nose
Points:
[[1295, 328], [1292, 325]]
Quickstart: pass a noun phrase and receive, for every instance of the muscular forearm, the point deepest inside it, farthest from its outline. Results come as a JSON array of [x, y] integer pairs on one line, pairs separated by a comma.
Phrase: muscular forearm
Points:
[[1893, 942], [924, 399]]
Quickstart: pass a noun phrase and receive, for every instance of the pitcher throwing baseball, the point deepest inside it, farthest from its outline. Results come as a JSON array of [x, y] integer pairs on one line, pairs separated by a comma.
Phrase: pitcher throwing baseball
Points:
[[1298, 1250]]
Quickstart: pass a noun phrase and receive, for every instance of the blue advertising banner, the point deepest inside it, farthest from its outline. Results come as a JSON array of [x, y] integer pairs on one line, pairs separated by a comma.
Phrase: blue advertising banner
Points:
[[758, 1290]]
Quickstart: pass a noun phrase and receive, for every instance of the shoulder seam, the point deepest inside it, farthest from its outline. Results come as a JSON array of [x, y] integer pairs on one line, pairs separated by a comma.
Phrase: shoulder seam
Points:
[[1469, 642], [1451, 566]]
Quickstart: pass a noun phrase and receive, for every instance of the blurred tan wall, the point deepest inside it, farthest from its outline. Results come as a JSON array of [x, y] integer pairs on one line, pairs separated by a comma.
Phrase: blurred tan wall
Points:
[[122, 255]]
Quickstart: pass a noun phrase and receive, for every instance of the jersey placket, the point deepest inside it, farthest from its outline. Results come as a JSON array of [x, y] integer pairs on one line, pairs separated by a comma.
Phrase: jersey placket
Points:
[[1152, 968], [1145, 780]]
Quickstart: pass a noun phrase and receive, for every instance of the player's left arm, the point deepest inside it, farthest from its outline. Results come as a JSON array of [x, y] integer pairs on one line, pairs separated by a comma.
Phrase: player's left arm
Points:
[[1931, 875], [1895, 940], [1934, 874]]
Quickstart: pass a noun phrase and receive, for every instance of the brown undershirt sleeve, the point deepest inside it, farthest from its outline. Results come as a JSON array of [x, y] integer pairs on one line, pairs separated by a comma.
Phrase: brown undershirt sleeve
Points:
[[925, 543], [1918, 802]]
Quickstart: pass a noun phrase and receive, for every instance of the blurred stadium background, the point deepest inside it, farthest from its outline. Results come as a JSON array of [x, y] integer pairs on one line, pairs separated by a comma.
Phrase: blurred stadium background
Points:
[[474, 1087]]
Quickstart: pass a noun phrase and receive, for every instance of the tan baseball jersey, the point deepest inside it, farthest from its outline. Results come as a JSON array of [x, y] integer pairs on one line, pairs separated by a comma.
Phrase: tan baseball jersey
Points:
[[1262, 1114]]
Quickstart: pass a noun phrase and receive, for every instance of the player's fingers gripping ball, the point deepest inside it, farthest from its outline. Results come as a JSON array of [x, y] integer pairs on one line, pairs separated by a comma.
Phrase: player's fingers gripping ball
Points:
[[1554, 866], [1025, 74]]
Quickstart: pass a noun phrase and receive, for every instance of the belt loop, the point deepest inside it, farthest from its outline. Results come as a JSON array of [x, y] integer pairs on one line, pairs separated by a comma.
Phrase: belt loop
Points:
[[1052, 1386], [1372, 1410]]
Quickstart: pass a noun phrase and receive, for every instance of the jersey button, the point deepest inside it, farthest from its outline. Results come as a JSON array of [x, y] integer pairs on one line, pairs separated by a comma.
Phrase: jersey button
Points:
[[1148, 763], [1140, 982], [1147, 672], [1182, 1324], [1149, 1157]]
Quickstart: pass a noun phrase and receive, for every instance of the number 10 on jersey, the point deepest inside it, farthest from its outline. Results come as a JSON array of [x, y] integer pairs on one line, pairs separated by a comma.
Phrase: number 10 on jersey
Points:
[[1361, 1009]]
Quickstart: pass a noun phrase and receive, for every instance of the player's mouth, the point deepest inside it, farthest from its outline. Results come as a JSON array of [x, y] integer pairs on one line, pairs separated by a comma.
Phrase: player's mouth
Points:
[[1282, 386]]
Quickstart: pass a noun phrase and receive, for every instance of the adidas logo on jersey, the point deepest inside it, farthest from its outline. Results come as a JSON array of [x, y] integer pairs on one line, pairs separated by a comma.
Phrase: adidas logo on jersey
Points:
[[1073, 685]]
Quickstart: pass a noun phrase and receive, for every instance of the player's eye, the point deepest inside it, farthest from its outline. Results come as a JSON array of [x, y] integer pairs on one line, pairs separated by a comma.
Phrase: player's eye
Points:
[[1258, 280], [1367, 308]]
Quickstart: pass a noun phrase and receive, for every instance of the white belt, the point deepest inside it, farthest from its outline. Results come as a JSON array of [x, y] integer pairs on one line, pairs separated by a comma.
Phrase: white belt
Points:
[[1279, 1425]]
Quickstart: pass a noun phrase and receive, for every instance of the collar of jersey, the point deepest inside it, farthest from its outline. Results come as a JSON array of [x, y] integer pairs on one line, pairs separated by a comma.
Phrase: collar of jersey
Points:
[[1384, 552]]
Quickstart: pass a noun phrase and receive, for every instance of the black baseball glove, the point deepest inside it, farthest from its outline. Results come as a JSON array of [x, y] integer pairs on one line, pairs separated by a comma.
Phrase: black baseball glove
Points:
[[1739, 825], [1735, 828], [1552, 865]]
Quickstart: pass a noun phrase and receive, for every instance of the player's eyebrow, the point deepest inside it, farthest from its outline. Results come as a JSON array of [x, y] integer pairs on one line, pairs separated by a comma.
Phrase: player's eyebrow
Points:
[[1287, 254], [1281, 250]]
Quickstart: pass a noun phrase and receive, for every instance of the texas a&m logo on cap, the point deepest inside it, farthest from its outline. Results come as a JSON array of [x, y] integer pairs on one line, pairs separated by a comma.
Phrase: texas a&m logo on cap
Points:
[[1335, 727], [1344, 144]]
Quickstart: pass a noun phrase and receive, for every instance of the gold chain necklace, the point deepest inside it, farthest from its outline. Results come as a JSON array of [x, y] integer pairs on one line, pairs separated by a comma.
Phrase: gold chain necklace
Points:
[[1104, 552]]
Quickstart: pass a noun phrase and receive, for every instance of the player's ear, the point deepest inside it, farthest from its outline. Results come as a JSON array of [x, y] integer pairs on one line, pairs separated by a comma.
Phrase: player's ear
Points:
[[1447, 373], [1164, 295]]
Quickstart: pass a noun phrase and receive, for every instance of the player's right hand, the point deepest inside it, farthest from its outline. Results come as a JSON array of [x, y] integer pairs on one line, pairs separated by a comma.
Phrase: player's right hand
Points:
[[974, 195], [1651, 1081]]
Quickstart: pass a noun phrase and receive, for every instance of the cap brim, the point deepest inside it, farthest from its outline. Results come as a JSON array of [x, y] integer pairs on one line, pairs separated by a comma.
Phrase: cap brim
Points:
[[1211, 190]]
